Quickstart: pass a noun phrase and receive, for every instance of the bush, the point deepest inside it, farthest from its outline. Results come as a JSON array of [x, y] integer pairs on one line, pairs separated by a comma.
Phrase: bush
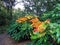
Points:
[[54, 29], [40, 32], [20, 31], [53, 15], [51, 37]]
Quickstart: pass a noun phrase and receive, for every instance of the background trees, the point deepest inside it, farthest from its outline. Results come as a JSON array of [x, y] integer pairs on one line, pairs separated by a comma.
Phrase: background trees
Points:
[[45, 9], [39, 6]]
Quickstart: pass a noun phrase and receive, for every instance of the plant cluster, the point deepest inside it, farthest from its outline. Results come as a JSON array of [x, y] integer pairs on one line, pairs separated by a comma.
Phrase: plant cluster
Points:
[[30, 27], [43, 31], [53, 15]]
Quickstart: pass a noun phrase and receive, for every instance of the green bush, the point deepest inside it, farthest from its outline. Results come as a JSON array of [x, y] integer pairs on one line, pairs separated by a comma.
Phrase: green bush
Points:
[[24, 30], [54, 29], [20, 31], [52, 36], [53, 15]]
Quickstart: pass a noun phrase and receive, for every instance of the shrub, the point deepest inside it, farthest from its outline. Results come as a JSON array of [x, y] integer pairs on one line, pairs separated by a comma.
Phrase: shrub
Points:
[[20, 31], [40, 32], [54, 29], [53, 15], [23, 27]]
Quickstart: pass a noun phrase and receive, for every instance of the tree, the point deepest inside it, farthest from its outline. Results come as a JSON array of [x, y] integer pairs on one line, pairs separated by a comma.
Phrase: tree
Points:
[[6, 11], [39, 6], [9, 4], [53, 15]]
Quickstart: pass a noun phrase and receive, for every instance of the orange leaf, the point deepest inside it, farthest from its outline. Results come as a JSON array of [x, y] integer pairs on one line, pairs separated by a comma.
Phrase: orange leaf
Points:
[[34, 20]]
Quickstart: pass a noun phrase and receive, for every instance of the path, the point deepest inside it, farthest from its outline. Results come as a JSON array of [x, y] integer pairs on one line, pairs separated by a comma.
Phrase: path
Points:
[[6, 40]]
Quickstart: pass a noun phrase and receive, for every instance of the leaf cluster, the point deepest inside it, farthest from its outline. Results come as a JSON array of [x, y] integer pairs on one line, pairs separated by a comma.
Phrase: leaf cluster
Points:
[[20, 31]]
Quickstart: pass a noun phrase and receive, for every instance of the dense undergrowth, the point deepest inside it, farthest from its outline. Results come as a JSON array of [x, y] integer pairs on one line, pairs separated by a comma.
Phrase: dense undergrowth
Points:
[[42, 30]]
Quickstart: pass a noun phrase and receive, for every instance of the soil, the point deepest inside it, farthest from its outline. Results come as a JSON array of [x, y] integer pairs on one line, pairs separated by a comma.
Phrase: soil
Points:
[[5, 39]]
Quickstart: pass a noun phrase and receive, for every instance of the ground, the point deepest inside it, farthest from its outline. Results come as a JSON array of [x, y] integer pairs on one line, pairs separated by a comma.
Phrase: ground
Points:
[[7, 40]]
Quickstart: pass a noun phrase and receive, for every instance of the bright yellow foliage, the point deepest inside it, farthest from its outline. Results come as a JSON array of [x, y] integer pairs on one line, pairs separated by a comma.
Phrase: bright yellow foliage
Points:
[[29, 16]]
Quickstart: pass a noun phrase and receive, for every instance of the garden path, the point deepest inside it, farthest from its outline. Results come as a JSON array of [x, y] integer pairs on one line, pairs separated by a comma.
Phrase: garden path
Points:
[[7, 40]]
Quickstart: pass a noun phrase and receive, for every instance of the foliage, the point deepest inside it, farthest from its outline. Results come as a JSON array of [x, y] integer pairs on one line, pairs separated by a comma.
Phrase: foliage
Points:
[[52, 30], [43, 31], [22, 25], [45, 40], [39, 6], [53, 15], [40, 32], [18, 13], [20, 31], [51, 37], [4, 17], [39, 29], [55, 31]]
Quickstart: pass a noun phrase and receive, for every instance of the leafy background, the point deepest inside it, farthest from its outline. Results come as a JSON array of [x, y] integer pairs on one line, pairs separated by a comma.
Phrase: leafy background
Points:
[[51, 11]]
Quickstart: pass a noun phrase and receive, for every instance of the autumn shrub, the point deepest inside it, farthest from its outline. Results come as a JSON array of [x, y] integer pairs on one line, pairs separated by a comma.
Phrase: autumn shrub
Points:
[[39, 32], [25, 26], [20, 29]]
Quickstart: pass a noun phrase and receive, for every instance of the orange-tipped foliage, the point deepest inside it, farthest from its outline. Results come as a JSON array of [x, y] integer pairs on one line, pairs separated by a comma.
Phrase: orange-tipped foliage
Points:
[[36, 24], [21, 19], [34, 20]]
